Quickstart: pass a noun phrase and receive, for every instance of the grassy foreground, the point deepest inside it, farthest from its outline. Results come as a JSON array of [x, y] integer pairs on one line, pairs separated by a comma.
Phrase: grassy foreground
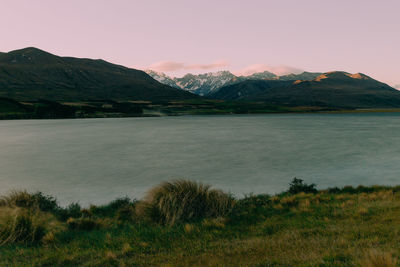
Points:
[[184, 223]]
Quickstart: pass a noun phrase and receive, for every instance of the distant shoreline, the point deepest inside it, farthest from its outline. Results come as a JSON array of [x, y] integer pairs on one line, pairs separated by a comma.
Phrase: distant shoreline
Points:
[[194, 113]]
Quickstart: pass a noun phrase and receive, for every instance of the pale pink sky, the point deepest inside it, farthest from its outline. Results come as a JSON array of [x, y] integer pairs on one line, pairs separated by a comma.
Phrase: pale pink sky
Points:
[[209, 35]]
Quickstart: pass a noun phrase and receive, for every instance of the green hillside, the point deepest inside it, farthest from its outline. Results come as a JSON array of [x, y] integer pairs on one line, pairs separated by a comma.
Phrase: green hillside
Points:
[[30, 74]]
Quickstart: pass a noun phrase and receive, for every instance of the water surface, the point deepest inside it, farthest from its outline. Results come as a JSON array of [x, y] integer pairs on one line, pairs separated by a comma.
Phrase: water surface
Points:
[[97, 160]]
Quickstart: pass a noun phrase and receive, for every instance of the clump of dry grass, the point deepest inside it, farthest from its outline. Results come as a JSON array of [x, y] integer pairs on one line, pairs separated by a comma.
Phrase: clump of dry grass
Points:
[[22, 227], [375, 258], [17, 199], [182, 201], [290, 201], [215, 223], [23, 199]]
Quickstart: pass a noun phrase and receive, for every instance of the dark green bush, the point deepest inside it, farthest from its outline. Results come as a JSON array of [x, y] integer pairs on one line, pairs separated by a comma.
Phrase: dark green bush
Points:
[[334, 190], [297, 186], [45, 202], [349, 189], [250, 208], [359, 189], [73, 210], [126, 214], [85, 224], [111, 209]]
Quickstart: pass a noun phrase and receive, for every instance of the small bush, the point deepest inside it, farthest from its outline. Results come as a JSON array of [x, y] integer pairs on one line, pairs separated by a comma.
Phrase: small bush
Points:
[[184, 201], [45, 202], [334, 190], [126, 214], [73, 210], [250, 208], [261, 200], [85, 224], [23, 227], [349, 189], [111, 209], [297, 186]]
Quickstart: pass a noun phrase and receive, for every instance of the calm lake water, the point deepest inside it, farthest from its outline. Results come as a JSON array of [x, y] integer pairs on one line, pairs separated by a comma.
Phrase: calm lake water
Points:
[[97, 160]]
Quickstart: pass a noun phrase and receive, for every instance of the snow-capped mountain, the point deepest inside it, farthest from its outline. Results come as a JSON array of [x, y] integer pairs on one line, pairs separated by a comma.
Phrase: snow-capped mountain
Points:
[[207, 83], [162, 78], [201, 84], [266, 75]]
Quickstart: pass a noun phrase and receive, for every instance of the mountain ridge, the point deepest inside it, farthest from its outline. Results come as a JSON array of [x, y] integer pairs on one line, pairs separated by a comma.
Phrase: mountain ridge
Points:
[[331, 89], [31, 73]]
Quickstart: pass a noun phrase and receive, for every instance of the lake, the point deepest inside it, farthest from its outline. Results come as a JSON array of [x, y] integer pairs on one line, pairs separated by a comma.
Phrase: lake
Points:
[[96, 160]]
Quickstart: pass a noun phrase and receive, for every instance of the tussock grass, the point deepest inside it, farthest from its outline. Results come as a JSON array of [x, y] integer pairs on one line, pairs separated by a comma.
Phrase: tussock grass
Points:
[[22, 227], [18, 199], [183, 201], [375, 258]]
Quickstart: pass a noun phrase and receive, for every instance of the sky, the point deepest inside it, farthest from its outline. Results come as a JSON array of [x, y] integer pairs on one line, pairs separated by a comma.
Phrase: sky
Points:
[[243, 36]]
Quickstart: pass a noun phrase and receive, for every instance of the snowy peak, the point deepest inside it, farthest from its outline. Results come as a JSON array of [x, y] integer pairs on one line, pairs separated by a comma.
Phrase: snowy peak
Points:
[[162, 78], [266, 75], [203, 84]]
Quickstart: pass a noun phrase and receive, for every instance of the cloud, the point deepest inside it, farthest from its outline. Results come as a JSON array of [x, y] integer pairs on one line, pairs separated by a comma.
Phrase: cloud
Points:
[[278, 70], [179, 66], [216, 64], [167, 66]]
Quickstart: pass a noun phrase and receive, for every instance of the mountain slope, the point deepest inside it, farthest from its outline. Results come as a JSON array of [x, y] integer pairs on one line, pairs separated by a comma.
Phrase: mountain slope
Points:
[[332, 89], [30, 74]]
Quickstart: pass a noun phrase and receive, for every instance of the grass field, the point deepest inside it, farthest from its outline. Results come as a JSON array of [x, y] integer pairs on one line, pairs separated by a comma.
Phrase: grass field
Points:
[[334, 227]]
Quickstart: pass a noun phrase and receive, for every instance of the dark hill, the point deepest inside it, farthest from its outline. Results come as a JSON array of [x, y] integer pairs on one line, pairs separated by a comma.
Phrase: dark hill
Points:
[[30, 74], [332, 89]]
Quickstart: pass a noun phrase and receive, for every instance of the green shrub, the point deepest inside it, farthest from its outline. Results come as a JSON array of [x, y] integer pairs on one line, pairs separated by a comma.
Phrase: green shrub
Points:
[[183, 201], [85, 224], [22, 228], [73, 210], [45, 203], [334, 190], [250, 208], [297, 186], [126, 214], [111, 209]]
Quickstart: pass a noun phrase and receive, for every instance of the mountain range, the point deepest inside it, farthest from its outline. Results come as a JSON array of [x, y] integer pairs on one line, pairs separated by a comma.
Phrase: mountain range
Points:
[[208, 83], [31, 74], [332, 89]]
